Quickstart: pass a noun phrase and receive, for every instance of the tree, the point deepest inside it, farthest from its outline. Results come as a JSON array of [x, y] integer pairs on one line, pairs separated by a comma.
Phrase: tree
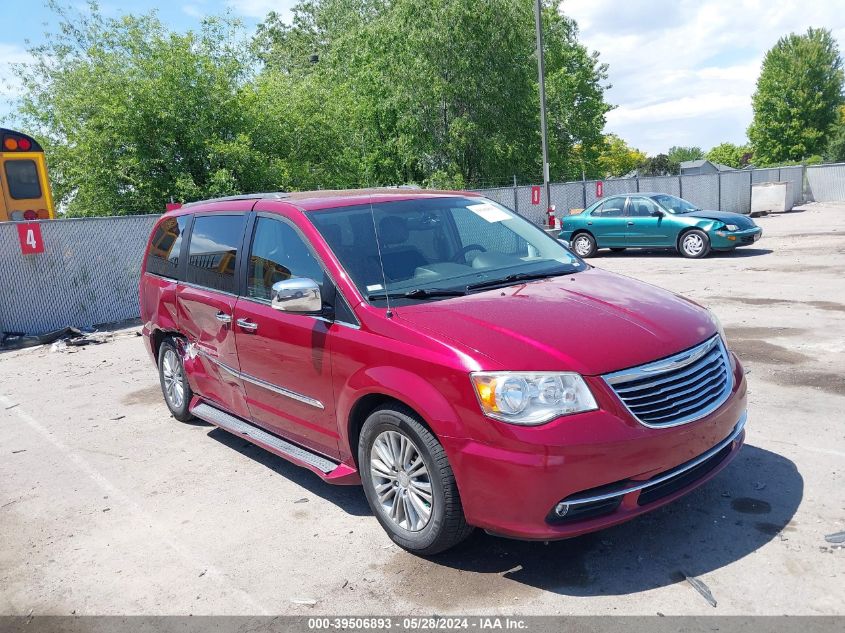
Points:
[[678, 154], [617, 158], [131, 113], [798, 95], [836, 141], [446, 90], [736, 156], [659, 165]]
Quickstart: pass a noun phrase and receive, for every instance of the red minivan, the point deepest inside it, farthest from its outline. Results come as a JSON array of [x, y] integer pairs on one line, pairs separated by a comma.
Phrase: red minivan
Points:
[[465, 367]]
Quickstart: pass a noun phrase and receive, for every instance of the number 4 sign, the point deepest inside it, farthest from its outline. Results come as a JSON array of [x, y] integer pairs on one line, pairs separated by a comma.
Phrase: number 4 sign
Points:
[[30, 238]]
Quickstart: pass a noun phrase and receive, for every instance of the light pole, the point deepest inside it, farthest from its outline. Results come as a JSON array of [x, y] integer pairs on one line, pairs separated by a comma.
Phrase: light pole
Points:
[[541, 71]]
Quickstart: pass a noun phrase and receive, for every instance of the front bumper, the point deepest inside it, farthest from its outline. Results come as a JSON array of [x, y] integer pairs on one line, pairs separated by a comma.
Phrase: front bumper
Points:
[[606, 466], [722, 239]]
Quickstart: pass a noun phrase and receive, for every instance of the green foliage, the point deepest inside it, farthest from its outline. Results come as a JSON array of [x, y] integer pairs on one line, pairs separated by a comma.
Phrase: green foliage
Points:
[[659, 165], [798, 95], [132, 113], [736, 156], [617, 158], [678, 154], [442, 93], [835, 150]]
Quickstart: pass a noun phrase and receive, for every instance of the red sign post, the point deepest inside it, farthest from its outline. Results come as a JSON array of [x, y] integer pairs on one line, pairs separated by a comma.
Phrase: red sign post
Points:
[[30, 238], [599, 189], [535, 195]]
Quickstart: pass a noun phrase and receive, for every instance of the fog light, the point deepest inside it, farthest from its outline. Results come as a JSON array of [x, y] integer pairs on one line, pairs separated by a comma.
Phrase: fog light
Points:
[[561, 509]]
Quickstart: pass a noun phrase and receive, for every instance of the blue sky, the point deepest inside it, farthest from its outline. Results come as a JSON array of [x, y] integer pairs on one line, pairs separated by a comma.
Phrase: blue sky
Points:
[[682, 71]]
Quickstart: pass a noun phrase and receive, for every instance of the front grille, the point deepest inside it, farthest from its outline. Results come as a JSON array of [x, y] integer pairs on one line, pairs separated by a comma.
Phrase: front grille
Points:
[[678, 389]]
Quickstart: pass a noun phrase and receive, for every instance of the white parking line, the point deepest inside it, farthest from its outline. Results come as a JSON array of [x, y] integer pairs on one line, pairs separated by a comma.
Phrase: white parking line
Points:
[[116, 493]]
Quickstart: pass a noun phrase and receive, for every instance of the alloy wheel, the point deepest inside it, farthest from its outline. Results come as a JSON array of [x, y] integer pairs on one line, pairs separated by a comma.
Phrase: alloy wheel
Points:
[[693, 244], [582, 246], [171, 371], [401, 481]]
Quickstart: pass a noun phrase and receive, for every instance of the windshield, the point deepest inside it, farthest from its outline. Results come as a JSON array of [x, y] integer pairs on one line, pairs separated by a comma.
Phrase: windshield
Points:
[[430, 246], [673, 204]]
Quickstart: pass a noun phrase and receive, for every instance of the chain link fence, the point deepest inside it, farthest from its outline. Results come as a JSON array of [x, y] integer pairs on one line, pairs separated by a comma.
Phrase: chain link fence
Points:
[[87, 275], [723, 191]]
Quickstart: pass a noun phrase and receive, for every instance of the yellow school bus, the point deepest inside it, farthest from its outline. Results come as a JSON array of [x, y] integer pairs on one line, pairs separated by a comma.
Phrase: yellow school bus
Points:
[[24, 186]]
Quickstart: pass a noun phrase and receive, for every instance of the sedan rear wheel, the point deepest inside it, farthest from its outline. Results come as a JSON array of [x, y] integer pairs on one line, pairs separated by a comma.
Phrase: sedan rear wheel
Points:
[[584, 245]]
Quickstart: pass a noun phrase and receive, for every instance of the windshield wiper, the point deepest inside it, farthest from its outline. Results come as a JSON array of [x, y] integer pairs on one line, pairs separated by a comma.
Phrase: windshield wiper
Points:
[[418, 293], [504, 281]]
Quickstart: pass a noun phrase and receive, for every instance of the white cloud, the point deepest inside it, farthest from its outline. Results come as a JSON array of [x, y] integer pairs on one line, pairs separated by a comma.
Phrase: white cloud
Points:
[[9, 84], [683, 71], [260, 8]]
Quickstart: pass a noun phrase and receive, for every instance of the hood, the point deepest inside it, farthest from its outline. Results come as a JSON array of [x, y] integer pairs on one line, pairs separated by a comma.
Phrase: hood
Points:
[[592, 322], [742, 221]]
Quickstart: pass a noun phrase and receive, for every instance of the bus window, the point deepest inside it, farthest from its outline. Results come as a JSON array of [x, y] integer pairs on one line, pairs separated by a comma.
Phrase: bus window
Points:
[[22, 179]]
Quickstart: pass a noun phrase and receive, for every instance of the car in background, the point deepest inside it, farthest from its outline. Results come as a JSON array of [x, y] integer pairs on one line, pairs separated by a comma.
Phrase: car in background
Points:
[[656, 220]]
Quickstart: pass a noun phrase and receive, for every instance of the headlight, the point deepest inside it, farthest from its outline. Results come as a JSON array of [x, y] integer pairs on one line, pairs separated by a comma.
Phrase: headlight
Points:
[[528, 398], [732, 227]]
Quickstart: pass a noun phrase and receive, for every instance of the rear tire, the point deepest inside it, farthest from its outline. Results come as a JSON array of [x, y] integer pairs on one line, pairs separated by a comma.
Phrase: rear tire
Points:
[[174, 385], [409, 483], [694, 244], [584, 245]]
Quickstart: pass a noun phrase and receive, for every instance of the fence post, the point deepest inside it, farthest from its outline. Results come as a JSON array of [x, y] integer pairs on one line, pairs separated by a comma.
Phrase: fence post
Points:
[[584, 194], [515, 196], [637, 178], [680, 186], [719, 190]]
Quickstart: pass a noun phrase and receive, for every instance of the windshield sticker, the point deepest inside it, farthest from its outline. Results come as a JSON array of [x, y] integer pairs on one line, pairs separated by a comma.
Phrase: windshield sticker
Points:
[[488, 212], [375, 288]]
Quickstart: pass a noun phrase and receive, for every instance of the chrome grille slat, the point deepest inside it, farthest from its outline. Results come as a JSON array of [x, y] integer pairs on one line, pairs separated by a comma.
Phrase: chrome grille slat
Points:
[[701, 395], [706, 360], [671, 391], [678, 389]]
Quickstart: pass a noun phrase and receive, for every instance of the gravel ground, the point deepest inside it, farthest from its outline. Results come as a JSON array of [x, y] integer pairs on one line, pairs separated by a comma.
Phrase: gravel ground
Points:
[[109, 506]]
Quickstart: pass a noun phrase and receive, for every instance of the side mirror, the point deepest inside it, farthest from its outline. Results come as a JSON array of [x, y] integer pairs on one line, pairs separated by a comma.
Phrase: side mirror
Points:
[[298, 295], [657, 213]]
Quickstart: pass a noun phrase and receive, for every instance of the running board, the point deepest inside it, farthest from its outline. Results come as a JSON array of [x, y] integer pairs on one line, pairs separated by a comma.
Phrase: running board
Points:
[[258, 436]]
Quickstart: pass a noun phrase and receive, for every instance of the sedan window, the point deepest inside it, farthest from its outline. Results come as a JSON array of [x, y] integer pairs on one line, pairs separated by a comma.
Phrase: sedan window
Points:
[[642, 207], [611, 208]]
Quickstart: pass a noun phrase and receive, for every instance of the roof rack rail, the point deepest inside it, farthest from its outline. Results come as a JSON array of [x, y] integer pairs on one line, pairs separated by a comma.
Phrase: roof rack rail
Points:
[[274, 195]]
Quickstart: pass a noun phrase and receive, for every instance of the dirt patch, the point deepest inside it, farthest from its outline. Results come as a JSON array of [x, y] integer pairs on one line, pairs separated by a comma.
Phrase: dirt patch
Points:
[[760, 351], [832, 306], [147, 395], [757, 332], [823, 381]]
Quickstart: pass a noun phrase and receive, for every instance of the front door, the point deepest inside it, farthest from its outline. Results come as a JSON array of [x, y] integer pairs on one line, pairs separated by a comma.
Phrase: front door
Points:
[[643, 228], [206, 305], [284, 357], [607, 223]]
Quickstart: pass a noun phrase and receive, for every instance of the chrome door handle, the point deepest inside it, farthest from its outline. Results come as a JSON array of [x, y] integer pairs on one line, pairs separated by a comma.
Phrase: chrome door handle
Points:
[[246, 324], [223, 317], [630, 224]]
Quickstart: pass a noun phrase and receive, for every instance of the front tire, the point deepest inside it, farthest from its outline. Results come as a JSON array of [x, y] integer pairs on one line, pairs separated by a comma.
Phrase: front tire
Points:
[[174, 385], [409, 483], [694, 244], [584, 245]]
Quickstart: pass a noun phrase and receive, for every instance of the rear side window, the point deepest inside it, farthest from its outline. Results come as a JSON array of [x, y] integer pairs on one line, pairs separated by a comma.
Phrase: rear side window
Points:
[[22, 179], [213, 251], [278, 253], [611, 208], [163, 254]]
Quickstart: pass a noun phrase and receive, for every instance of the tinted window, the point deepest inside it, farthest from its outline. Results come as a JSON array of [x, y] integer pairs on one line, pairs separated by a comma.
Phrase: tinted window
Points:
[[213, 252], [163, 254], [278, 253], [642, 207], [611, 208], [22, 179]]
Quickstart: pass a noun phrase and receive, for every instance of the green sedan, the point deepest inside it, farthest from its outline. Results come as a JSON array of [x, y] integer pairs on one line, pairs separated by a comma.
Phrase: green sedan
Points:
[[656, 220]]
